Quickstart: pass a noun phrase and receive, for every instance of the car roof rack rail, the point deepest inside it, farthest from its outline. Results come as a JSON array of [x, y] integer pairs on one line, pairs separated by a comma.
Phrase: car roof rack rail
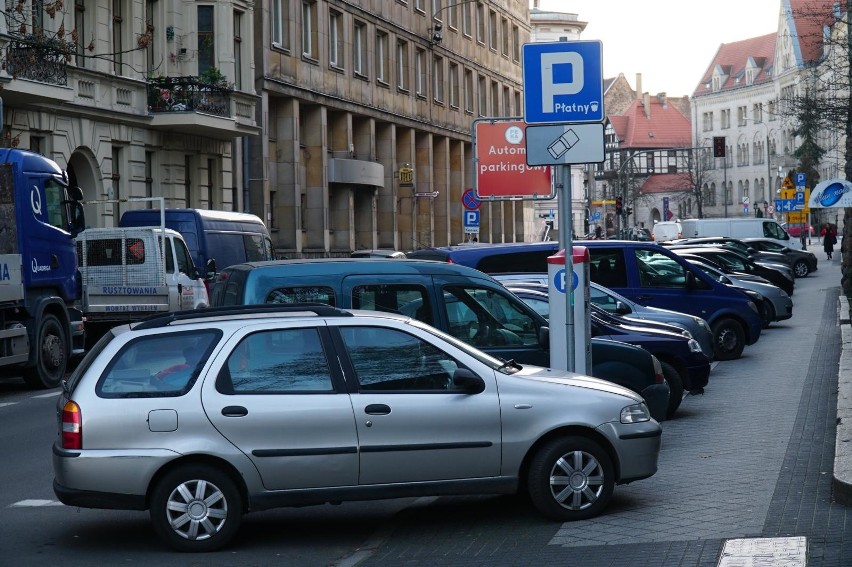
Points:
[[164, 319]]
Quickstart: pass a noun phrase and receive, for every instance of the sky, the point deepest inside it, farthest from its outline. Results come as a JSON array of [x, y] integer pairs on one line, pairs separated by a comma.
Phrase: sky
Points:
[[670, 42]]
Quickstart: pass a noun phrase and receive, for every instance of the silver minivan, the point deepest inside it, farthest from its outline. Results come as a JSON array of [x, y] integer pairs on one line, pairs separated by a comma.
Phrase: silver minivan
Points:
[[200, 417]]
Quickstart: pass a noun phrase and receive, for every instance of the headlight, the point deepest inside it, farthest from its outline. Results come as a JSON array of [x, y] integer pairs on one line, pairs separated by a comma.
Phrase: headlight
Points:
[[694, 346], [636, 413]]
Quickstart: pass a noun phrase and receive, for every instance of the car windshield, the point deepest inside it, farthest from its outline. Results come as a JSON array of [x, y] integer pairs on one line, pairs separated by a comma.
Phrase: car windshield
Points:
[[491, 361]]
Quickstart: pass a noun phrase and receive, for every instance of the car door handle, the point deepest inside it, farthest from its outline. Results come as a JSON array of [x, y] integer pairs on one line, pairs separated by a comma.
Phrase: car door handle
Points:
[[377, 409], [234, 411]]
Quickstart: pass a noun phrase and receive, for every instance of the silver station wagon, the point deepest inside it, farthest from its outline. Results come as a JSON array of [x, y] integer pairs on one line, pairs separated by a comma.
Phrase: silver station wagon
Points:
[[203, 416]]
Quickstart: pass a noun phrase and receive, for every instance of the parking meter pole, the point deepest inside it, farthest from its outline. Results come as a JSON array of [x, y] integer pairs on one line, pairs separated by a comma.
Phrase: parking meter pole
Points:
[[565, 242]]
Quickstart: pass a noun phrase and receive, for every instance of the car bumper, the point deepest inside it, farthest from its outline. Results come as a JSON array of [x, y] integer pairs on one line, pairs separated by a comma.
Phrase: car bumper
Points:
[[783, 307], [637, 446], [657, 399], [106, 478], [697, 373]]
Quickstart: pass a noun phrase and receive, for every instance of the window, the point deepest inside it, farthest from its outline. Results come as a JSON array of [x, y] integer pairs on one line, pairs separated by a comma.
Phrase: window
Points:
[[420, 72], [516, 44], [280, 27], [492, 30], [163, 365], [438, 79], [410, 300], [468, 91], [485, 318], [465, 14], [454, 85], [238, 49], [453, 15], [480, 23], [607, 267], [81, 22], [335, 39], [206, 40], [504, 37], [382, 57], [483, 95], [312, 294], [359, 49], [111, 252], [184, 260], [507, 102], [402, 65], [276, 362], [390, 360], [309, 29], [118, 25]]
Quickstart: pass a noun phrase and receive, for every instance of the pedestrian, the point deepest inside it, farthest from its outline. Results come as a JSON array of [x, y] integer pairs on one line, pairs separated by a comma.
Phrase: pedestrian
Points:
[[598, 232], [829, 240]]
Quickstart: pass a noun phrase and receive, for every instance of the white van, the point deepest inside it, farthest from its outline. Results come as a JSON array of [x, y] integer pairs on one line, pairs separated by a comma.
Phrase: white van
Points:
[[737, 228], [126, 277], [664, 231]]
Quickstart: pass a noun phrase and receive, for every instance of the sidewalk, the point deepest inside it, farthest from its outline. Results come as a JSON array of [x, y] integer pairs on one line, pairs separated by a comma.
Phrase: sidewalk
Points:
[[842, 482]]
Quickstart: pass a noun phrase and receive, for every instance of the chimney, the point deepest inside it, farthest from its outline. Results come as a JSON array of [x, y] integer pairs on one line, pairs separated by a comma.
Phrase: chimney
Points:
[[638, 85], [662, 98], [646, 102]]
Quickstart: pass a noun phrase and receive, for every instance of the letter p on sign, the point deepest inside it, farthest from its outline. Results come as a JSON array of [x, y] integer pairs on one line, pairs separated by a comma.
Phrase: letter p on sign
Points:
[[550, 87]]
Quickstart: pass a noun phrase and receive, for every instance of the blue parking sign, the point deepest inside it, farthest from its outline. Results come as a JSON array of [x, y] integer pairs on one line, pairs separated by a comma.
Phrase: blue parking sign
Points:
[[563, 82]]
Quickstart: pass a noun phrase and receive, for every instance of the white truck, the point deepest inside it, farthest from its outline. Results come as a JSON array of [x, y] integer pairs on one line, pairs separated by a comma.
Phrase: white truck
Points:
[[130, 273], [736, 228]]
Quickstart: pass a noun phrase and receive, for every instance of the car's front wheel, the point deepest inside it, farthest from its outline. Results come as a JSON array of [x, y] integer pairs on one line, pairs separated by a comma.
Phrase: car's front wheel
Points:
[[675, 382], [571, 478], [728, 339], [800, 269], [196, 508]]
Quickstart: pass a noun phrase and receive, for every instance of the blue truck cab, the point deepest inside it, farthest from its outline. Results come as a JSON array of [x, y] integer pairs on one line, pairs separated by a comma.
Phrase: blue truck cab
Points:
[[652, 275], [216, 239]]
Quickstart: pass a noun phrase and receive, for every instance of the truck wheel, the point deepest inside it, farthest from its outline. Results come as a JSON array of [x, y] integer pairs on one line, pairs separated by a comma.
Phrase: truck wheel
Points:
[[675, 383], [570, 478], [51, 355], [196, 508], [800, 268], [728, 339]]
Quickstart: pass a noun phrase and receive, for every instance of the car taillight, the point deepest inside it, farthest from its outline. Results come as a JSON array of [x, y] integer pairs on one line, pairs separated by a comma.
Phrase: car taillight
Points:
[[72, 426], [658, 371]]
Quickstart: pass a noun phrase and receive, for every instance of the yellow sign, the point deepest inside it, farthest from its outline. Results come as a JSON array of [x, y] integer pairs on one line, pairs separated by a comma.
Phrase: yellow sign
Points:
[[788, 193], [797, 217], [406, 176], [604, 202], [787, 184]]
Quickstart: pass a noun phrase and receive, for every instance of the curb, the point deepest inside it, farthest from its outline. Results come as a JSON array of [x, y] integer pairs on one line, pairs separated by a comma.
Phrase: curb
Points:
[[842, 481]]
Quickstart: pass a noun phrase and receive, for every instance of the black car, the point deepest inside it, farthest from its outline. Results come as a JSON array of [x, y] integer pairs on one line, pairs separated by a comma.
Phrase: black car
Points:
[[685, 366], [776, 274], [736, 244], [803, 261]]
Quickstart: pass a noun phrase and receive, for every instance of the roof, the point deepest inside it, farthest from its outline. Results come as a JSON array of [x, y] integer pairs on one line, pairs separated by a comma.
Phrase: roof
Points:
[[652, 122], [804, 18]]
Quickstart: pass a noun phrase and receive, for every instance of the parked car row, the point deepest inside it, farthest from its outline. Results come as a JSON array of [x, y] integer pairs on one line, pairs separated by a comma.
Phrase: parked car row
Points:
[[385, 377]]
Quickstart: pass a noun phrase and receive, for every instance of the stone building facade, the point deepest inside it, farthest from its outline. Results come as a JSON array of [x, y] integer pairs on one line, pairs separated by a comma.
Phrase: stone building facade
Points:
[[366, 110]]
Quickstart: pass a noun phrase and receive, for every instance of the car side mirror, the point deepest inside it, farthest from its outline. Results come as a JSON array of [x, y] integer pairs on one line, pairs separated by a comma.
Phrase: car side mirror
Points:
[[544, 337], [622, 309], [210, 268], [468, 382]]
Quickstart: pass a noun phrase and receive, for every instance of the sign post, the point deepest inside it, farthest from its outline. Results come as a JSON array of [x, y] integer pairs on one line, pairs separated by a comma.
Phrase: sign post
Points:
[[563, 87]]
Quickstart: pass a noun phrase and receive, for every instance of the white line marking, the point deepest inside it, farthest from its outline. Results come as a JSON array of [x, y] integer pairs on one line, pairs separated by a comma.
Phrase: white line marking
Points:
[[49, 394], [775, 551], [32, 503]]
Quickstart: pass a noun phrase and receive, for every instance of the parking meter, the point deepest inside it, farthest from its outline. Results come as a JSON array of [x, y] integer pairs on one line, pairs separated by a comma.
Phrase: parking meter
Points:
[[573, 288]]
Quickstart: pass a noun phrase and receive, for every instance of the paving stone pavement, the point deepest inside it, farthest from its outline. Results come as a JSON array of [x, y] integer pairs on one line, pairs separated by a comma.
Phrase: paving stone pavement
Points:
[[752, 458]]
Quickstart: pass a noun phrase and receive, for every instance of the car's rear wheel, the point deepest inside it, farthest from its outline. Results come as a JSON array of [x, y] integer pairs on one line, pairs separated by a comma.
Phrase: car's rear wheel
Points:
[[728, 339], [800, 268], [196, 508], [675, 382], [571, 478]]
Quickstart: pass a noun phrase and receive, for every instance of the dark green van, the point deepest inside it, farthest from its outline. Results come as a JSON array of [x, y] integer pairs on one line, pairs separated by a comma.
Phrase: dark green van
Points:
[[461, 301]]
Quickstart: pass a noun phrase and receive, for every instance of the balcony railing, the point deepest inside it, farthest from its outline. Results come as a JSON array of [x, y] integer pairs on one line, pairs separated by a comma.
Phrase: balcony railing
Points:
[[46, 62], [188, 94]]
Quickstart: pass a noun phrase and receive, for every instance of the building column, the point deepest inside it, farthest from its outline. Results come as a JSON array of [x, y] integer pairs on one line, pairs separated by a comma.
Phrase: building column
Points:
[[387, 229], [315, 197]]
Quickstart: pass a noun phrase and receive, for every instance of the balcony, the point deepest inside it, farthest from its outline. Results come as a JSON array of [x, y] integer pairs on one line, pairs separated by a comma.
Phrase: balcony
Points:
[[194, 106], [37, 71]]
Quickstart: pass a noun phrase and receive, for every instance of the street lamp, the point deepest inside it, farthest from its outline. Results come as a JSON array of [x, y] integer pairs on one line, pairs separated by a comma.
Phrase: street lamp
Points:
[[436, 32]]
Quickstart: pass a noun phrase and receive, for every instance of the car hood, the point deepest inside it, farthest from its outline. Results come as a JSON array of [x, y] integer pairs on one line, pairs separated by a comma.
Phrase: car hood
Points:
[[565, 378]]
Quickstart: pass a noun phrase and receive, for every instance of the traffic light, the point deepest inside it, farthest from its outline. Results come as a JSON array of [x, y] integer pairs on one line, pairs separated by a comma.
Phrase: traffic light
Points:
[[628, 211], [618, 205], [718, 146]]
